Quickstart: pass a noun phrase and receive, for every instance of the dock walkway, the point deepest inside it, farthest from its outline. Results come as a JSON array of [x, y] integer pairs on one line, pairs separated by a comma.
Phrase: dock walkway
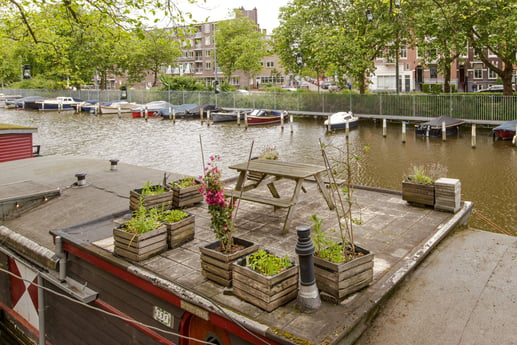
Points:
[[400, 236]]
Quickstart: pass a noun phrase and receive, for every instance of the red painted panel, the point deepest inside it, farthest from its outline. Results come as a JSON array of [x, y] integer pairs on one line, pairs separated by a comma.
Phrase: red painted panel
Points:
[[15, 146]]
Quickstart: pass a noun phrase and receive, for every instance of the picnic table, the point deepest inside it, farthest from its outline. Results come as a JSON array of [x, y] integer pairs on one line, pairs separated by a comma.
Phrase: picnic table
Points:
[[256, 173]]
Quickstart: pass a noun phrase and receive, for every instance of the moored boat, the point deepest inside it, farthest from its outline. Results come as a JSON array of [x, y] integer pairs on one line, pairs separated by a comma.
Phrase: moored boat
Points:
[[177, 110], [434, 127], [116, 107], [27, 103], [265, 117], [150, 109], [59, 103], [340, 119], [4, 98], [222, 116], [506, 130]]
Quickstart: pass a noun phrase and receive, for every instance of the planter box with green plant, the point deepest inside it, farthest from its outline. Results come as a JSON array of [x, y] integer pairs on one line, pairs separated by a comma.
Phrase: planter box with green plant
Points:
[[185, 192], [265, 280], [180, 227], [150, 196], [142, 236], [340, 266], [217, 257], [418, 185]]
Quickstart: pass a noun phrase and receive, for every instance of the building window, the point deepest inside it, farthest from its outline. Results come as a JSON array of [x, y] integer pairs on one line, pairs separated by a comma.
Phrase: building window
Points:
[[403, 52], [492, 74], [207, 28], [208, 66], [478, 71], [207, 41], [433, 72], [208, 53], [270, 64]]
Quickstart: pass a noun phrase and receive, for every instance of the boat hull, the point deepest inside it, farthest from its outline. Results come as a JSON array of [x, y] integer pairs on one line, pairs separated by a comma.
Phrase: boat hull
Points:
[[263, 120], [504, 134]]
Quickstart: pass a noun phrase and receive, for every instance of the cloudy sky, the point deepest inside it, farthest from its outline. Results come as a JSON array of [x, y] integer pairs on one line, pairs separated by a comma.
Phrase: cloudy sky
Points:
[[267, 10]]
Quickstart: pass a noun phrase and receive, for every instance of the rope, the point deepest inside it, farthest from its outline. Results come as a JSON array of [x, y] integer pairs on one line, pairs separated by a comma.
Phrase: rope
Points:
[[491, 223]]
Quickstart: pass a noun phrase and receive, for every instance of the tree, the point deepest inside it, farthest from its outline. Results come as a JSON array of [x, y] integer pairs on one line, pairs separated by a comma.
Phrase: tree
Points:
[[491, 26], [181, 83], [239, 46]]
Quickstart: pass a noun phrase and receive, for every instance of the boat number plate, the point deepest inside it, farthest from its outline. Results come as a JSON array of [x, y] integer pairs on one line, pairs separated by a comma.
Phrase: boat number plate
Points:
[[163, 316]]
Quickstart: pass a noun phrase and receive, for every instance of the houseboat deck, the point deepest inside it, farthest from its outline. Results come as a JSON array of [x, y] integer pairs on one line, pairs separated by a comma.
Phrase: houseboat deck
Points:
[[399, 235]]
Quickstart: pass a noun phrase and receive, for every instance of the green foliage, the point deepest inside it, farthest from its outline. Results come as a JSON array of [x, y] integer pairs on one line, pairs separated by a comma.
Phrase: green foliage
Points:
[[185, 182], [425, 173], [172, 216], [266, 263], [181, 83], [328, 248], [38, 82], [143, 220], [240, 46], [150, 189]]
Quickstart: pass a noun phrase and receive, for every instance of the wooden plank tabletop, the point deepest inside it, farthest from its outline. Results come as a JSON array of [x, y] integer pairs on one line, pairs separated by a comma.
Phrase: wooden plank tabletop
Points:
[[280, 168]]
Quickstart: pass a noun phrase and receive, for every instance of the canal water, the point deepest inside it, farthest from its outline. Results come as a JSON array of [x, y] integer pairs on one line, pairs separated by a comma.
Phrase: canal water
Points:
[[488, 172]]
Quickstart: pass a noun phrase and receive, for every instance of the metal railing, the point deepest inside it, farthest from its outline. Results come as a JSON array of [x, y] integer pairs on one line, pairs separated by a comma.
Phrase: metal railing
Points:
[[475, 107]]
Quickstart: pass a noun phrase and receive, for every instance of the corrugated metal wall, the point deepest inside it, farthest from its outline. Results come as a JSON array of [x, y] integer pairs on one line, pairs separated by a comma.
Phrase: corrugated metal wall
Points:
[[15, 146]]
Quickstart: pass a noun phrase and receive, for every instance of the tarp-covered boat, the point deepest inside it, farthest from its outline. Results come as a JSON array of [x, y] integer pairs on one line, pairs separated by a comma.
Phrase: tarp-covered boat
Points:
[[263, 117], [434, 127], [506, 130]]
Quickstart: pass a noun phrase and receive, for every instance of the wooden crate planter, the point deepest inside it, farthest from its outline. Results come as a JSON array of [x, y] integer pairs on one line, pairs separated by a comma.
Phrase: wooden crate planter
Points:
[[158, 200], [416, 193], [265, 292], [338, 280], [186, 196], [180, 232], [217, 266], [141, 246]]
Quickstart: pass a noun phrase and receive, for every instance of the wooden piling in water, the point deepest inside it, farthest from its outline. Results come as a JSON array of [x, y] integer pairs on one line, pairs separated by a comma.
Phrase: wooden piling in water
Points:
[[291, 122], [208, 118], [444, 131], [473, 132], [403, 131], [238, 118], [384, 128], [328, 124]]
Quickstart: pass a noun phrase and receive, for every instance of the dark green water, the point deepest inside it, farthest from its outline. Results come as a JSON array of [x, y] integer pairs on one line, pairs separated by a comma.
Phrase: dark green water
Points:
[[488, 173]]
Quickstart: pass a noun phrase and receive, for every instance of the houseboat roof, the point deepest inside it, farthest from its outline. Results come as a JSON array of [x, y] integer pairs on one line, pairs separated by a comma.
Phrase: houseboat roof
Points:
[[399, 235], [6, 128]]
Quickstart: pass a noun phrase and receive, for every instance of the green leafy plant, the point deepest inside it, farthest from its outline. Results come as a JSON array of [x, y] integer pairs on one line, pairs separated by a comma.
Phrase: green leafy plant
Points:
[[266, 263], [185, 182], [149, 189], [269, 152], [425, 173], [172, 216], [142, 221]]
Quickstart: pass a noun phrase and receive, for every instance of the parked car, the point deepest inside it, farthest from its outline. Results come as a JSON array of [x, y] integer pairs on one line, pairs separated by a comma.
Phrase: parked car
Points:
[[494, 88]]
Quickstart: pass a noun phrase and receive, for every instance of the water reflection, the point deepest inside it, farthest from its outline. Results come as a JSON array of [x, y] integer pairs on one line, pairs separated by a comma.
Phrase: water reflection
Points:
[[488, 173]]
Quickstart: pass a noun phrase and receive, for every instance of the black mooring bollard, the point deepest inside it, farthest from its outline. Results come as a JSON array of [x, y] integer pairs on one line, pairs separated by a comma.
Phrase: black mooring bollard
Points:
[[113, 164], [308, 294]]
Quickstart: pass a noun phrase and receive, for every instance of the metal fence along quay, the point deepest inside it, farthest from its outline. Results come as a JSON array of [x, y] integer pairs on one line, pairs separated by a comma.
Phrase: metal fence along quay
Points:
[[486, 108]]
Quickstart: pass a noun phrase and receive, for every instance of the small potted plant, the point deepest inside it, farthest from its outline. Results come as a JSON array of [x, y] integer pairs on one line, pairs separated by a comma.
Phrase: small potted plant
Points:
[[217, 257], [180, 226], [150, 196], [265, 280], [418, 184], [142, 236], [185, 192]]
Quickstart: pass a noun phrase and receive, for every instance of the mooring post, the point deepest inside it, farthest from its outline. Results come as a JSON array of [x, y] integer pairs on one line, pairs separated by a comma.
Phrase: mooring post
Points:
[[473, 135], [238, 118], [208, 113], [246, 120], [282, 120], [173, 115], [444, 132], [403, 131], [291, 122], [514, 140], [308, 295], [201, 115], [347, 128], [384, 128], [328, 124]]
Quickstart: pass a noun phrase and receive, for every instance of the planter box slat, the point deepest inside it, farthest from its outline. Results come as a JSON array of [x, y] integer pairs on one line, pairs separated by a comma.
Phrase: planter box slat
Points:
[[141, 246], [416, 193], [180, 232], [158, 200], [186, 196]]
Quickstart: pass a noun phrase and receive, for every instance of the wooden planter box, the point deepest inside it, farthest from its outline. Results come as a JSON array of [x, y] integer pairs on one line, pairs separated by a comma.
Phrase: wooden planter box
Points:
[[180, 232], [141, 246], [159, 200], [265, 292], [182, 197], [217, 266], [416, 193], [336, 281]]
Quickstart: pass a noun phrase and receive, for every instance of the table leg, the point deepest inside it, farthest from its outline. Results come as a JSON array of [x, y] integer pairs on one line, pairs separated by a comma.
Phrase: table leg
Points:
[[240, 180], [323, 191], [290, 210]]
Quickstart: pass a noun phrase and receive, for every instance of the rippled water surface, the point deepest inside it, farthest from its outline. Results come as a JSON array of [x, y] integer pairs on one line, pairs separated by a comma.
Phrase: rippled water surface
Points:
[[488, 173]]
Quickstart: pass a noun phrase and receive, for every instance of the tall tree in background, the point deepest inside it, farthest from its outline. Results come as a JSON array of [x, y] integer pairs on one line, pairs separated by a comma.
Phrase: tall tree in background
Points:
[[239, 46]]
